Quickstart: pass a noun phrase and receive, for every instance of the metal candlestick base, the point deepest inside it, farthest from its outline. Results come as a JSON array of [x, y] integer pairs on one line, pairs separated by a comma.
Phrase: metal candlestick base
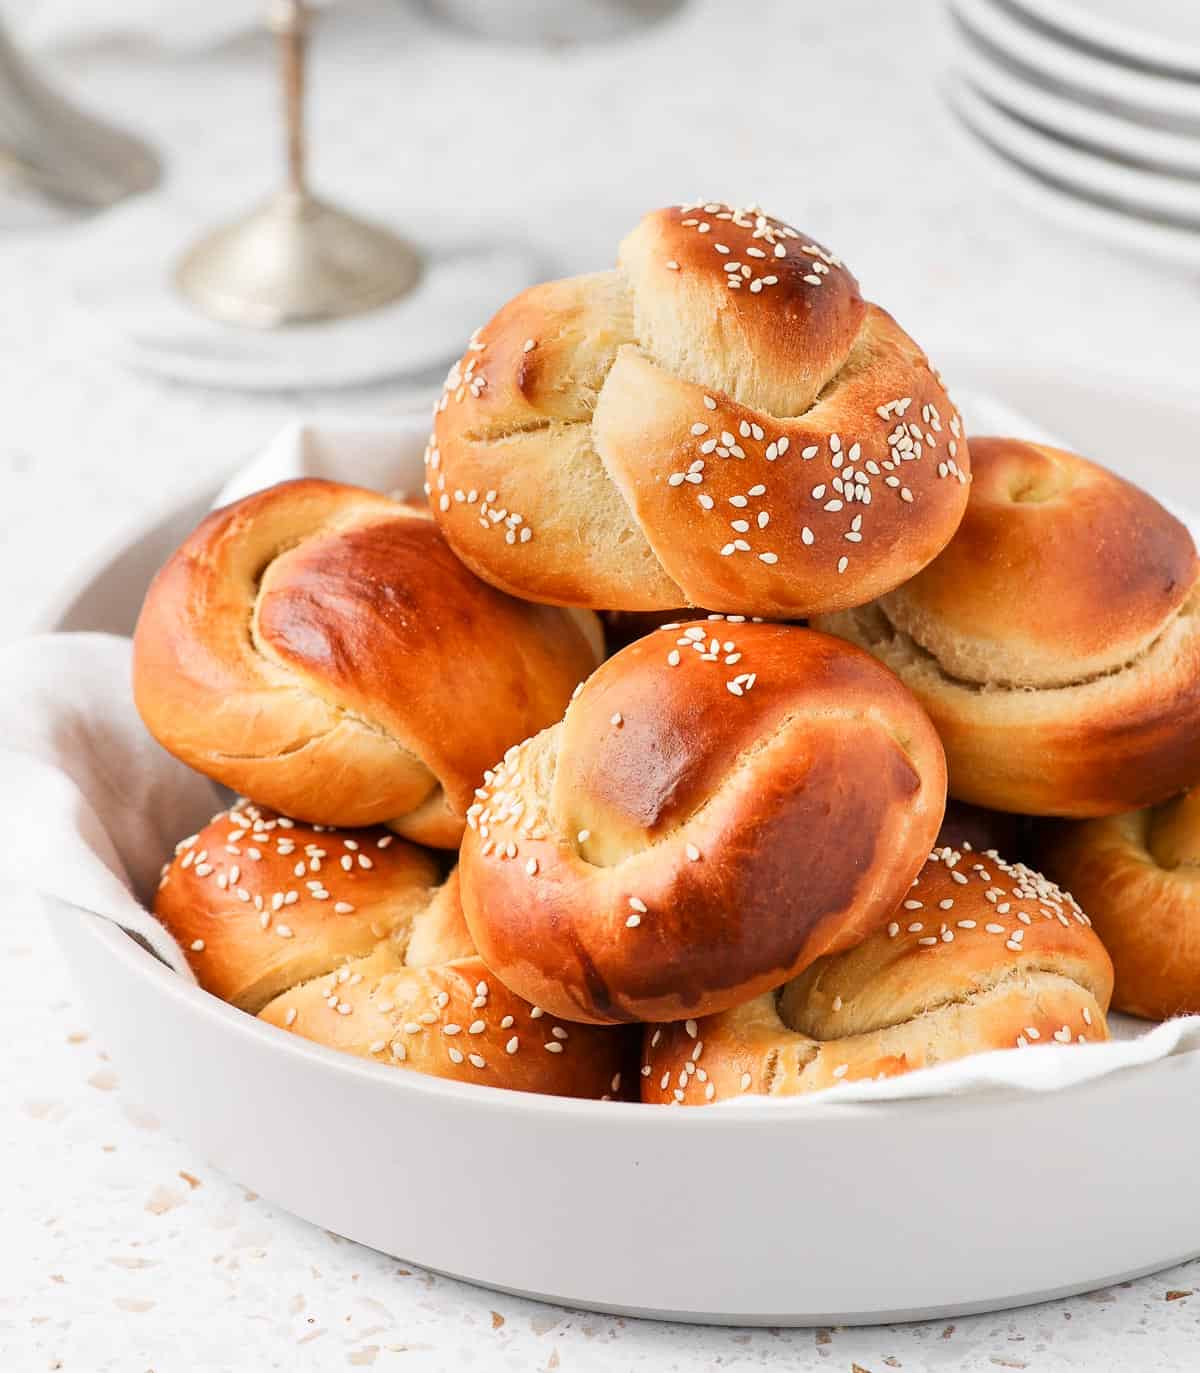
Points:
[[296, 260]]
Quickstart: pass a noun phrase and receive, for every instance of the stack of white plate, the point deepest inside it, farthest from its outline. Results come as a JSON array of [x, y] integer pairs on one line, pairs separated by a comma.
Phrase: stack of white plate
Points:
[[1089, 110]]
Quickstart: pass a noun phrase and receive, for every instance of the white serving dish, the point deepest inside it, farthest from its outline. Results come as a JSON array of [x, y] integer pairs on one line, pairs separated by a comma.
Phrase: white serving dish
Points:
[[817, 1212], [1153, 94]]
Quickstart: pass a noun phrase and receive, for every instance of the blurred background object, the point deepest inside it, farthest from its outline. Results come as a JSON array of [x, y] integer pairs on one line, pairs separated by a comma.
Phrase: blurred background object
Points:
[[551, 21], [1088, 111], [296, 259], [55, 156]]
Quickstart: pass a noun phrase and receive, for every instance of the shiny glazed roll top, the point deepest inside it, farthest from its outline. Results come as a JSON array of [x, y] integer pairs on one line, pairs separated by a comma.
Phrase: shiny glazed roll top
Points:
[[722, 804]]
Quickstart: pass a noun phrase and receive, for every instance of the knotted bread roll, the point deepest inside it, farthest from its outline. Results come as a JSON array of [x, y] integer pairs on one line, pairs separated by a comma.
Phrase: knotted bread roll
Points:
[[349, 938], [722, 421], [320, 648], [1056, 642], [1139, 875], [981, 954], [722, 804]]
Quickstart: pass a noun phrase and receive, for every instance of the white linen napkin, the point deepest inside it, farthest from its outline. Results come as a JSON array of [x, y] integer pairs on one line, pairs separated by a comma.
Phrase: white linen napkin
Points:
[[93, 806]]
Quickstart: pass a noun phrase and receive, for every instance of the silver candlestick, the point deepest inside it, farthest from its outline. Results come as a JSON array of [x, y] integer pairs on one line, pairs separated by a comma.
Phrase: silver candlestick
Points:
[[296, 259], [54, 151]]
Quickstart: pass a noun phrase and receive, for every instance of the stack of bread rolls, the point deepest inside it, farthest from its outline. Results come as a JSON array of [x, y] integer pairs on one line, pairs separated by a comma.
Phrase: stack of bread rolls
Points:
[[714, 858]]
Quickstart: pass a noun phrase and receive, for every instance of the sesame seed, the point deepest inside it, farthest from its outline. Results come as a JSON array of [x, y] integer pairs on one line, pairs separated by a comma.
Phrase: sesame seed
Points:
[[617, 718], [583, 836], [290, 1017], [197, 945], [455, 1055], [283, 931], [552, 1046], [745, 1082], [841, 1070], [512, 1046], [633, 922]]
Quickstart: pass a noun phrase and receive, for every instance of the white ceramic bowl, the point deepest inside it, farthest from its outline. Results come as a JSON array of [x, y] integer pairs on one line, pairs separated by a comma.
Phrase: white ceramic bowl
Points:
[[812, 1213]]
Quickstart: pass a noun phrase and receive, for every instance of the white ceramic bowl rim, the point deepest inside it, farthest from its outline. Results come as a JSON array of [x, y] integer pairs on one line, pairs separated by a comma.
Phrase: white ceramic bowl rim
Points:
[[139, 960]]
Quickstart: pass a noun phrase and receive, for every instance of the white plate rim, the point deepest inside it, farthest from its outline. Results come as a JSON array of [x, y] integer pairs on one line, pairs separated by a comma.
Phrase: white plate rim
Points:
[[1053, 111], [1091, 174], [1027, 46], [1125, 43], [1117, 227]]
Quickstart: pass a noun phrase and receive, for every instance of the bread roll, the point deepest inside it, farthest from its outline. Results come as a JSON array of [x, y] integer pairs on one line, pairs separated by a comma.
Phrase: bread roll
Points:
[[320, 648], [721, 421], [1137, 874], [722, 804], [981, 954], [349, 938], [1055, 643]]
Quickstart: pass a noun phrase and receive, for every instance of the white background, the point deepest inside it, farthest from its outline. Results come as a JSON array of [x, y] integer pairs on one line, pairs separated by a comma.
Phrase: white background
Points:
[[112, 1259]]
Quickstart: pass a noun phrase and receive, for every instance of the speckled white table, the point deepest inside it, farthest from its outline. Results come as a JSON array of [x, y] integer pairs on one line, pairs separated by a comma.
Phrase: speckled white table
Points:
[[120, 1250]]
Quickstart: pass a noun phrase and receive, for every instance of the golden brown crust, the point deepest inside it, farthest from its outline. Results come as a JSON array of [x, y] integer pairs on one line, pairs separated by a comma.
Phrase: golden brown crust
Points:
[[638, 861], [1138, 875], [1055, 643], [982, 954], [348, 938], [320, 647], [757, 439], [1108, 566]]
